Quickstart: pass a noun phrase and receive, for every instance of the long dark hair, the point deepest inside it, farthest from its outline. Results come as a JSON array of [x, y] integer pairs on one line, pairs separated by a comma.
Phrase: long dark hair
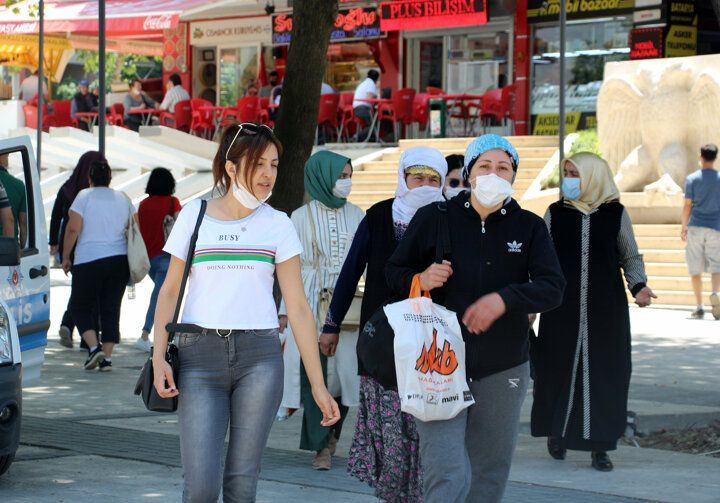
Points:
[[80, 177], [249, 147], [160, 183]]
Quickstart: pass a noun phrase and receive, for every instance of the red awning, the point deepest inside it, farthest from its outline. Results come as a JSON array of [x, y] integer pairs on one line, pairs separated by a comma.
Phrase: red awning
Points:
[[122, 16]]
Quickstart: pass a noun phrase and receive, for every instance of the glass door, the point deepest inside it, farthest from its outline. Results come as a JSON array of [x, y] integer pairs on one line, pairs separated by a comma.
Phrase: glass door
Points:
[[238, 67]]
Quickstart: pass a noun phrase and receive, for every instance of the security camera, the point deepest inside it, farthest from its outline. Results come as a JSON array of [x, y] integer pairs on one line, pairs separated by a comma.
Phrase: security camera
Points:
[[269, 8]]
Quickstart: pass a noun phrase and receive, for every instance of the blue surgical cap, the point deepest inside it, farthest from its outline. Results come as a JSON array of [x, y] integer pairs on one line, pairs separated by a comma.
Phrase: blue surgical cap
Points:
[[486, 142]]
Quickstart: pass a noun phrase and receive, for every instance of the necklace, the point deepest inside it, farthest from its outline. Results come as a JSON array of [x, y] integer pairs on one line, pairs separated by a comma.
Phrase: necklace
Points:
[[244, 222]]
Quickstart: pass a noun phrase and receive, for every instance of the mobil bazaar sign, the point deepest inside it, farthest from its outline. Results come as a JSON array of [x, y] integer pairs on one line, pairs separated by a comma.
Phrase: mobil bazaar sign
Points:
[[549, 10], [422, 14], [350, 24]]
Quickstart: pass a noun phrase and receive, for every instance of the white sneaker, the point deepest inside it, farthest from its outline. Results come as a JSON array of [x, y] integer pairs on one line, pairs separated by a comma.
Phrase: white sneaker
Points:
[[143, 345]]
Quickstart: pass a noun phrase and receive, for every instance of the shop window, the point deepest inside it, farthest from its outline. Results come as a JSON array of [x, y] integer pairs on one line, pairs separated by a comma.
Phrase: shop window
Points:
[[238, 68], [347, 65], [589, 46]]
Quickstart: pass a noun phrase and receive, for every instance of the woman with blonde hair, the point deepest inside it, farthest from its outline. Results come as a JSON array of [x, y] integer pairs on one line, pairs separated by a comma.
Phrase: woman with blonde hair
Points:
[[581, 356]]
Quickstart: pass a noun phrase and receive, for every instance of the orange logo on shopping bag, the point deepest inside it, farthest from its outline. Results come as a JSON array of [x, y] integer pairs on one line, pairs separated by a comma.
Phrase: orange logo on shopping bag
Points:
[[442, 361]]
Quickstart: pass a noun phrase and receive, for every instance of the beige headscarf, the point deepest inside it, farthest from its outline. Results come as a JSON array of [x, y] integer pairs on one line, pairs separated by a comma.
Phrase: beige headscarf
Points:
[[597, 185]]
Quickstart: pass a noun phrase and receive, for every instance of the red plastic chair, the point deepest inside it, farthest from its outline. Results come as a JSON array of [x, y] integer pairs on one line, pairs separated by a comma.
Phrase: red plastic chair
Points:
[[491, 109], [180, 119], [349, 124], [263, 111], [507, 100], [202, 120], [31, 118], [400, 112], [328, 114], [246, 110], [61, 115], [434, 91], [421, 114], [116, 115]]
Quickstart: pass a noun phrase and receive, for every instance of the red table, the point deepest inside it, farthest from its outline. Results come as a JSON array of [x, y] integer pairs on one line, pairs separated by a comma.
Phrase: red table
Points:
[[89, 115], [462, 99], [147, 113]]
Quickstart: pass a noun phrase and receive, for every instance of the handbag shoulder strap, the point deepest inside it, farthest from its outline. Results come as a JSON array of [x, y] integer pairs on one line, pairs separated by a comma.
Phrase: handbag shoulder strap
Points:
[[172, 206], [443, 249], [188, 264]]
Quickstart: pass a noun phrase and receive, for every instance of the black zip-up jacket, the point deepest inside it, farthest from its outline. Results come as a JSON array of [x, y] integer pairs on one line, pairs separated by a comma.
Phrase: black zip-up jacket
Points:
[[511, 253]]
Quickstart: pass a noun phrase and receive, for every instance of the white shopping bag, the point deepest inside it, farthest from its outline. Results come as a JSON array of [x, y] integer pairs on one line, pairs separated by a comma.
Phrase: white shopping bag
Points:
[[429, 358]]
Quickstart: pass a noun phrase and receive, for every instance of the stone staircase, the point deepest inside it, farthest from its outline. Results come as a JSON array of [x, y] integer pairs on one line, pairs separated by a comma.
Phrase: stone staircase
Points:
[[377, 179], [663, 251], [664, 255]]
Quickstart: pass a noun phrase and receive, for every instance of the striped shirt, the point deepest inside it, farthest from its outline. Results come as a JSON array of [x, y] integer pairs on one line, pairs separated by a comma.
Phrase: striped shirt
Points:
[[173, 97]]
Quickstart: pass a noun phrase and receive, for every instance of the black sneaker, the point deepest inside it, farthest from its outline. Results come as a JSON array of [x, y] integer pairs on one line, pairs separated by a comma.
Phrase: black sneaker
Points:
[[105, 366], [698, 314], [94, 358]]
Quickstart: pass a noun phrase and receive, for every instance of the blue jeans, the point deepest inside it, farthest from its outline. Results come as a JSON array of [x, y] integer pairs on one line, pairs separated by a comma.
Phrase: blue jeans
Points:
[[158, 270], [236, 380]]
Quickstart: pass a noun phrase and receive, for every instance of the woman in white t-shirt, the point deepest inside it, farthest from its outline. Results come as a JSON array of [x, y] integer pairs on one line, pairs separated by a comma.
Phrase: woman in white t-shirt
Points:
[[231, 367], [97, 230]]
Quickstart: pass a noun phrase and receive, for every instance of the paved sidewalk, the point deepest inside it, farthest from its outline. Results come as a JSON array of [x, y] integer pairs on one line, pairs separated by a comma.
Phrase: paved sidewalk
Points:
[[86, 437]]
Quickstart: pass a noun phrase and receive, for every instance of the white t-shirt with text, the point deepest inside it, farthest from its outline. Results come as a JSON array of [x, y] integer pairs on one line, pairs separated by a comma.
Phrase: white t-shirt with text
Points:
[[231, 279], [105, 214]]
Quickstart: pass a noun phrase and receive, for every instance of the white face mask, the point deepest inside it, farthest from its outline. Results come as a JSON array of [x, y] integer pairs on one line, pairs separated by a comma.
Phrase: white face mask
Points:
[[491, 190], [342, 188], [136, 92], [245, 198], [421, 196], [451, 192]]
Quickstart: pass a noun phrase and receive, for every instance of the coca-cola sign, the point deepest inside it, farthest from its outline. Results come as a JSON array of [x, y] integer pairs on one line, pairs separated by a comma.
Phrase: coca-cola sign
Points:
[[350, 24], [161, 22]]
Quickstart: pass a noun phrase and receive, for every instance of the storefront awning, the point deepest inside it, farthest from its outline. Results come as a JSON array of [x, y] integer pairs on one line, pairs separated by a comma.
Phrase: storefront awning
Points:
[[122, 16], [22, 50]]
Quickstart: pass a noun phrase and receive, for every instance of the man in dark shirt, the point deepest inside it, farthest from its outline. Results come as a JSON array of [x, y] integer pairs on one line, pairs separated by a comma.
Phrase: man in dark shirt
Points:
[[82, 102]]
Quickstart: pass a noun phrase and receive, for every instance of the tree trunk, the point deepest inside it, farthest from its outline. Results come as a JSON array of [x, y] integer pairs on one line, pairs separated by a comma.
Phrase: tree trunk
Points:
[[297, 118]]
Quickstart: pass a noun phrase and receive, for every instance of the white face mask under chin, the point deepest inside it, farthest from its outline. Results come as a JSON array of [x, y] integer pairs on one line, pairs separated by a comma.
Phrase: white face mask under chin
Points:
[[491, 190], [342, 188], [245, 198]]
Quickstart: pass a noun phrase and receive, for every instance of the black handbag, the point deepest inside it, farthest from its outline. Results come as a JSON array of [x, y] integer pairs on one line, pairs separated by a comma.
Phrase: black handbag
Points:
[[375, 352], [145, 386]]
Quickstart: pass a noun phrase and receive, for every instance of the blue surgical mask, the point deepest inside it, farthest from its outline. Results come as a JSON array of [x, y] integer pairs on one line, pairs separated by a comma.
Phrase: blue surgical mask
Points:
[[571, 188]]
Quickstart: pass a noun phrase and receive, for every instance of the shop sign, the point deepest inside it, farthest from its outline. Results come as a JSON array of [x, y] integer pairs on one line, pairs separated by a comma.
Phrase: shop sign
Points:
[[682, 12], [423, 14], [681, 41], [549, 10], [231, 31], [549, 124], [646, 43], [350, 24], [647, 16]]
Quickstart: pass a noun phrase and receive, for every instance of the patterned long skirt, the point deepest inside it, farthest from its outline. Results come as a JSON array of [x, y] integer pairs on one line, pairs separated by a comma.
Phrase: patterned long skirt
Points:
[[385, 451]]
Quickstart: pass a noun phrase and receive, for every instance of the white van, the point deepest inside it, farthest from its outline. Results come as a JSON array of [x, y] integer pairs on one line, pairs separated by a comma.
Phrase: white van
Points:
[[24, 290]]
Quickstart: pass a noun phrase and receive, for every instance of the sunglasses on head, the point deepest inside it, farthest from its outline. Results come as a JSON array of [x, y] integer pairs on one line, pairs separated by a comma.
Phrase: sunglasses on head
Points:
[[454, 183], [249, 129]]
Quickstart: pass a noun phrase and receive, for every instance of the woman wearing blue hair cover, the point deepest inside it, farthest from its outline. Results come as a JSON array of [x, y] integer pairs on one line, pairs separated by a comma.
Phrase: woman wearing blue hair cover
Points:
[[502, 267]]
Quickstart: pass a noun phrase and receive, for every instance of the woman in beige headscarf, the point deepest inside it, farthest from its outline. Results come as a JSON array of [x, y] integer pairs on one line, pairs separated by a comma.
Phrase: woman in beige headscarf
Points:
[[581, 356]]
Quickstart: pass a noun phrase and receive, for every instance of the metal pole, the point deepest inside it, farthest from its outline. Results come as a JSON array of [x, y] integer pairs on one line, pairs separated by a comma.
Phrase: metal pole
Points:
[[101, 76], [41, 83], [561, 95]]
